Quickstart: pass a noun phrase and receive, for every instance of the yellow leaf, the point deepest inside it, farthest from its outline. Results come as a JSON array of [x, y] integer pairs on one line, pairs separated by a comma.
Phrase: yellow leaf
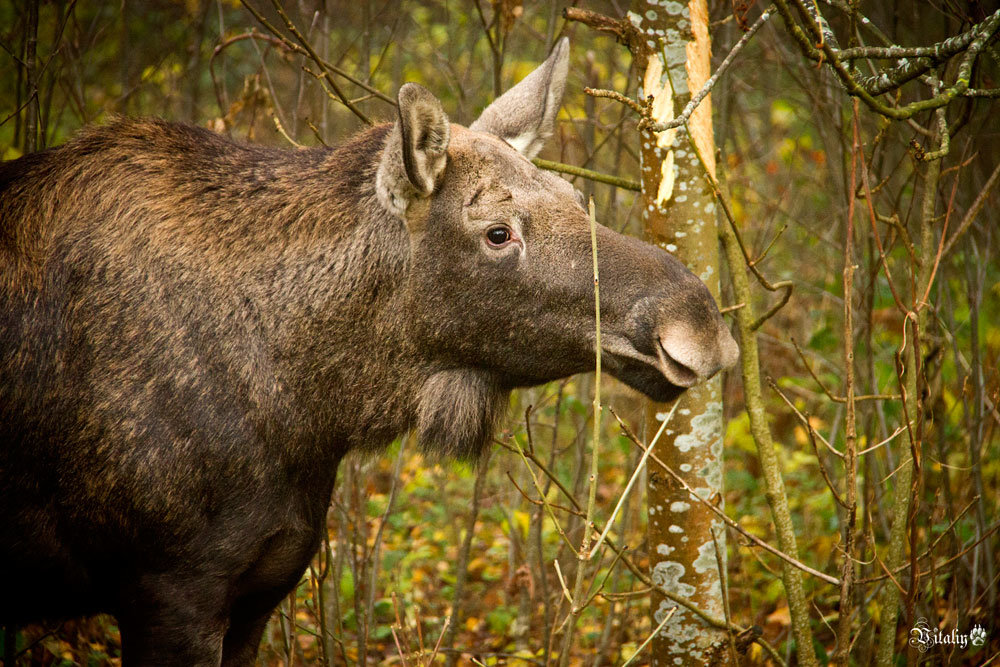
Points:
[[628, 650], [781, 616], [523, 520]]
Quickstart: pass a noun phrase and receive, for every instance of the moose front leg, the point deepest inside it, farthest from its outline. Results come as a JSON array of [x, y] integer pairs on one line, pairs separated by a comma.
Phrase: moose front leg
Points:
[[278, 569], [173, 620], [247, 624], [239, 649]]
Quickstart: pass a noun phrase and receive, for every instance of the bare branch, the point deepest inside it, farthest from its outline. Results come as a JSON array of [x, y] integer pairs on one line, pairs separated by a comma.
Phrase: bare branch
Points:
[[597, 176], [623, 30], [722, 515], [690, 107], [823, 51], [973, 211], [308, 49]]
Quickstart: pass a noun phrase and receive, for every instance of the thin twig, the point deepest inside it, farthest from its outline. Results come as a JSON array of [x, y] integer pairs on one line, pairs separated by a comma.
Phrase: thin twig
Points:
[[307, 47], [884, 442], [849, 502], [637, 571], [785, 285], [623, 30], [690, 107], [655, 632], [822, 469], [618, 182], [538, 487], [724, 583], [563, 508], [437, 646], [825, 52], [725, 517], [283, 43], [805, 420], [607, 575], [584, 552], [831, 395], [905, 566], [562, 582], [767, 248], [281, 129], [631, 481], [618, 97], [940, 51], [973, 211]]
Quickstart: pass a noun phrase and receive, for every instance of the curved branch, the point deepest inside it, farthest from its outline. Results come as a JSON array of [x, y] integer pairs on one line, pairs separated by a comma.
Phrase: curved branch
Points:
[[823, 51], [305, 48]]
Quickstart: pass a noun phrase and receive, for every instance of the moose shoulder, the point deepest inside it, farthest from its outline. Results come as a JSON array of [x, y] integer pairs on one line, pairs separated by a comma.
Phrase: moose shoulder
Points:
[[193, 332]]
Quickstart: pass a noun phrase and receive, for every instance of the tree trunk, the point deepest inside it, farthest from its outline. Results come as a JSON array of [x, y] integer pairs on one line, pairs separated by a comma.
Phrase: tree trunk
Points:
[[31, 78], [679, 216]]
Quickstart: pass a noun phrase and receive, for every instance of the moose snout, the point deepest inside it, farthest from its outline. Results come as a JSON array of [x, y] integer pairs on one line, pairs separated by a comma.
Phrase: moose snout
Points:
[[671, 335], [688, 356], [679, 325]]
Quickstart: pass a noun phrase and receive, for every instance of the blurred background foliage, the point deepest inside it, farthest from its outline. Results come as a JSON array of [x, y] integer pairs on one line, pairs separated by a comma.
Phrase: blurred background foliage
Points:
[[414, 541]]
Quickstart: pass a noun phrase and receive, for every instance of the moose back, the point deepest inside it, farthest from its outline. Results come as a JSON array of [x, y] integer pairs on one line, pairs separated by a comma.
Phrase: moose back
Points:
[[194, 331]]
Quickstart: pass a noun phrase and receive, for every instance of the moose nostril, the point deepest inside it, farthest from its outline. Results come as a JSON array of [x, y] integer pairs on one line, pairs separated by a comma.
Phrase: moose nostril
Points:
[[675, 370], [692, 351], [695, 353]]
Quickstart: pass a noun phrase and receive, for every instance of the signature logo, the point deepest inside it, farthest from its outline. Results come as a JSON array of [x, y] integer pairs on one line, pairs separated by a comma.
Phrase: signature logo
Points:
[[921, 634], [924, 636]]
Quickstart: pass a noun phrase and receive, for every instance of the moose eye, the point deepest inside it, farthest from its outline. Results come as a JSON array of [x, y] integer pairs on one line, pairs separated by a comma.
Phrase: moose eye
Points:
[[498, 235]]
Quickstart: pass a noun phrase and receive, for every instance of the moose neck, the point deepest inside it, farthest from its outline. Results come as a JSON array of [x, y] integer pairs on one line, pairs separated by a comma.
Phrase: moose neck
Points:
[[358, 377]]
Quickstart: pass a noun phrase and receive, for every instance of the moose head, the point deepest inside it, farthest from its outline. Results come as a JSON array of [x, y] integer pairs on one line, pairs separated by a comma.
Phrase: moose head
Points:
[[501, 289]]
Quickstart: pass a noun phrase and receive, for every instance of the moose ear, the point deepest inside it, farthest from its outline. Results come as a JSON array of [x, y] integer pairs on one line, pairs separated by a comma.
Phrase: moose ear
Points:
[[416, 151], [525, 115]]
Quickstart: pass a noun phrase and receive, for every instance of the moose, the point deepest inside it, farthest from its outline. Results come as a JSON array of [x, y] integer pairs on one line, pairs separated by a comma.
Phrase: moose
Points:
[[194, 331]]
